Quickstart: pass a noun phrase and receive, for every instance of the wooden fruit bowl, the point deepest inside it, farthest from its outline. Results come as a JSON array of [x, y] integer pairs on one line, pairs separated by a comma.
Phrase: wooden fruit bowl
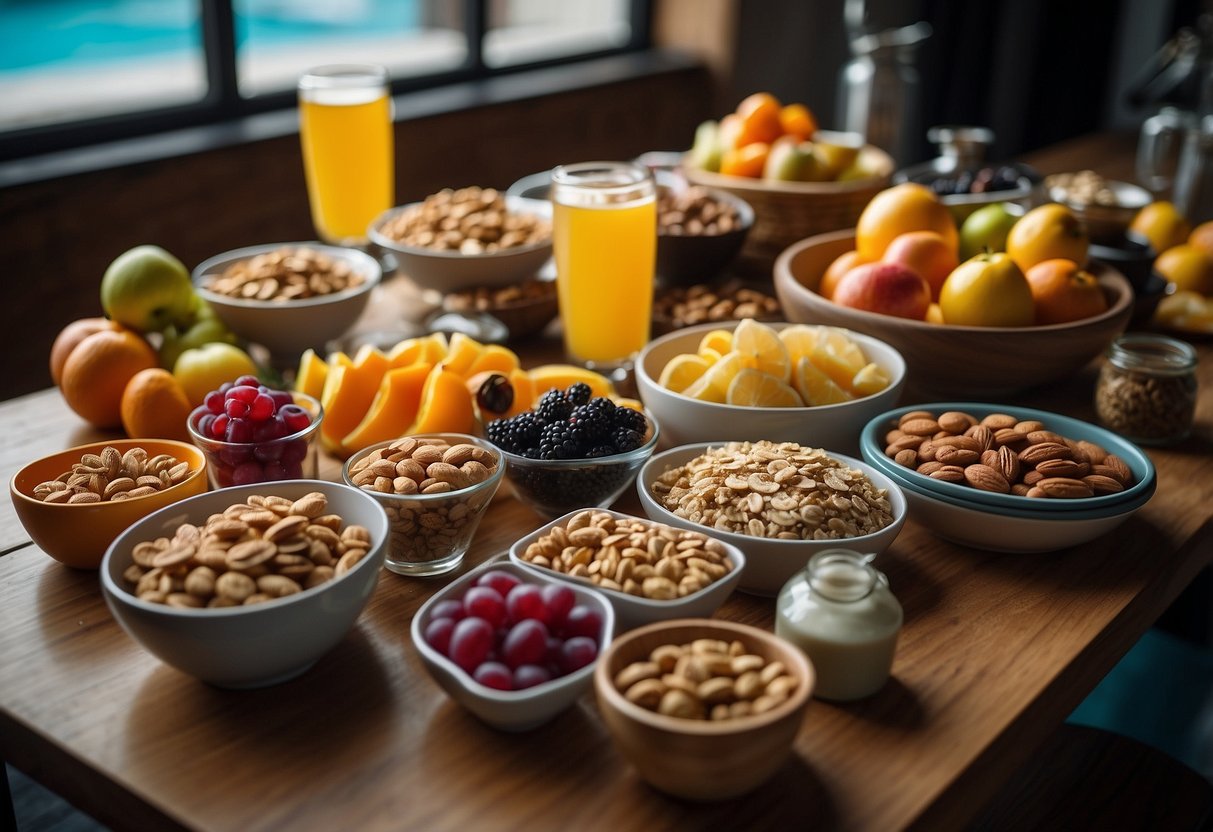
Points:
[[955, 362]]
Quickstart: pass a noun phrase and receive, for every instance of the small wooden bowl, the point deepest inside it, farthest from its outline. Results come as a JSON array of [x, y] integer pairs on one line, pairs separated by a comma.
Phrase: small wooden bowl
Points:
[[955, 362], [701, 759]]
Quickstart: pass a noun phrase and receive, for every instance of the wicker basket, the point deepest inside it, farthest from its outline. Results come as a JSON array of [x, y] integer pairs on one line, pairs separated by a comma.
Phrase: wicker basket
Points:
[[788, 212]]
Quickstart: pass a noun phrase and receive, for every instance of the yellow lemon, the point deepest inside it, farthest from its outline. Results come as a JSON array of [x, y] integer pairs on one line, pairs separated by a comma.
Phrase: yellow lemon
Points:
[[720, 340], [682, 371], [799, 340], [720, 375], [817, 388], [754, 388], [871, 379], [710, 354], [762, 343], [704, 391]]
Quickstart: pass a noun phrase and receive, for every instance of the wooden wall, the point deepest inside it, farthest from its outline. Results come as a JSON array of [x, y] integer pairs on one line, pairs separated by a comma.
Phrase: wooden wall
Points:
[[58, 236]]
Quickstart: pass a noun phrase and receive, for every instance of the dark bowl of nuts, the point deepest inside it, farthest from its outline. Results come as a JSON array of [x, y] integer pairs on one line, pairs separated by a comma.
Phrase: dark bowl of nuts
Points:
[[573, 451], [699, 231], [1105, 205], [288, 297], [525, 308], [461, 239]]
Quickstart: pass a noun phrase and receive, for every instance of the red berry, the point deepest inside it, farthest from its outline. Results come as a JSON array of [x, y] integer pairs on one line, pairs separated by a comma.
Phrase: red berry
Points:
[[559, 600], [262, 408], [248, 381], [577, 652], [239, 430], [275, 470], [438, 634], [471, 641], [530, 675], [447, 609], [219, 427], [526, 643], [214, 401], [281, 398], [485, 602], [294, 452], [583, 620], [246, 473], [235, 408], [499, 580], [205, 423], [494, 675], [295, 417]]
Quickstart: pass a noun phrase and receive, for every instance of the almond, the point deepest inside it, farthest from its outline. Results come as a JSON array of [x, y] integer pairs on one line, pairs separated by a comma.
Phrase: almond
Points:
[[954, 421], [1020, 490], [982, 434], [1059, 468], [922, 426], [989, 457], [914, 414], [926, 451], [986, 478], [968, 443], [928, 468], [950, 455], [1065, 488], [997, 421], [949, 473], [1035, 454], [1008, 464], [1123, 474], [1029, 425], [1009, 436], [1095, 453], [907, 457], [1102, 485], [1037, 436], [902, 443]]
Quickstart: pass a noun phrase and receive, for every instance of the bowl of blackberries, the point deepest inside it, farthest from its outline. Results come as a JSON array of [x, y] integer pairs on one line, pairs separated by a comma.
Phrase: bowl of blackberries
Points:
[[573, 450]]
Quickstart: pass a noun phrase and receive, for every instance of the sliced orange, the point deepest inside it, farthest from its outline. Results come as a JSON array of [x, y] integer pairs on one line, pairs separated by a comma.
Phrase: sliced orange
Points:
[[815, 387], [721, 374], [461, 354], [754, 388], [428, 349], [563, 376], [446, 405], [524, 392], [393, 409], [871, 379], [682, 372], [312, 372], [348, 393], [494, 358]]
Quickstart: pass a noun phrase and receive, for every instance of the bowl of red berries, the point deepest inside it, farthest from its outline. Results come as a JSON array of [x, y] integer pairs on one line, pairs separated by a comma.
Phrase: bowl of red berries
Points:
[[513, 647], [252, 433], [573, 450]]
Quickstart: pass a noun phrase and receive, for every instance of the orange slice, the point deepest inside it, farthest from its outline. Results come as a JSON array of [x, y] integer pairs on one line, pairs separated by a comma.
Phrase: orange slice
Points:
[[563, 376], [815, 387], [721, 374], [494, 358], [428, 349], [348, 393], [704, 391], [871, 379], [311, 375], [393, 409], [446, 405], [462, 352], [754, 388], [800, 340]]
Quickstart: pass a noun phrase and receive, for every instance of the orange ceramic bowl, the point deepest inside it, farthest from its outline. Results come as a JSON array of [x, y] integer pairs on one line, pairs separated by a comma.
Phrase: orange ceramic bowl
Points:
[[78, 535]]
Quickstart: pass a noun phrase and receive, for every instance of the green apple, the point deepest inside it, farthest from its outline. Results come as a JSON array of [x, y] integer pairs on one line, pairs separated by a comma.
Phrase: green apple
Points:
[[792, 161], [706, 150], [205, 329], [987, 290], [147, 289], [986, 229], [203, 369]]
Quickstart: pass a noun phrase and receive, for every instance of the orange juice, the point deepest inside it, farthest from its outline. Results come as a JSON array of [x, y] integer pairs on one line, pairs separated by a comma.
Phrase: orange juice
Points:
[[346, 132], [605, 242]]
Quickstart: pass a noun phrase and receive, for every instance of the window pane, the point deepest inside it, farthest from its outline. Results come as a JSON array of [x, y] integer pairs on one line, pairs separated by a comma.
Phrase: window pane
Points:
[[65, 60], [522, 31], [278, 40]]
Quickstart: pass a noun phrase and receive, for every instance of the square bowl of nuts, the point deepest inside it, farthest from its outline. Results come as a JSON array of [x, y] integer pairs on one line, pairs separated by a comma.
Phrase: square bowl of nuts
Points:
[[435, 489], [247, 586], [648, 571], [778, 502], [288, 297], [514, 647], [73, 503], [461, 239], [704, 709]]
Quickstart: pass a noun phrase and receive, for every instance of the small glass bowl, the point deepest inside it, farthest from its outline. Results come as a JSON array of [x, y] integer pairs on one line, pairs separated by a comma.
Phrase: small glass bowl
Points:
[[554, 487], [291, 457], [430, 533]]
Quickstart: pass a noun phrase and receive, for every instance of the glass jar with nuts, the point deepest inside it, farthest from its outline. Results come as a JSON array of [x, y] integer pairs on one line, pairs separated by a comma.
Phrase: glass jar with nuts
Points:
[[1147, 388]]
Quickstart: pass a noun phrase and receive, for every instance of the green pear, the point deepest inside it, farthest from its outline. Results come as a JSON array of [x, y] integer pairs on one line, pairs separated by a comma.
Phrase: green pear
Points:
[[147, 289], [986, 229], [706, 151], [792, 161], [205, 329]]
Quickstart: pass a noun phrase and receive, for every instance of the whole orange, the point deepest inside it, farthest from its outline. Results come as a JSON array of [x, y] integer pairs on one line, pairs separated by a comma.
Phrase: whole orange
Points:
[[1062, 292], [97, 371], [70, 336], [1048, 232], [1161, 224], [747, 160], [926, 253], [898, 210], [1188, 267], [1202, 237], [154, 406], [797, 120], [834, 272], [759, 114]]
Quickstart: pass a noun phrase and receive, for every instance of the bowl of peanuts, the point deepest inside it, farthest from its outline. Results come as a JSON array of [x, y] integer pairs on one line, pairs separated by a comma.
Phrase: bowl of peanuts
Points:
[[247, 586], [703, 709], [648, 571], [699, 232], [1009, 479], [73, 503], [778, 502], [288, 297], [456, 240]]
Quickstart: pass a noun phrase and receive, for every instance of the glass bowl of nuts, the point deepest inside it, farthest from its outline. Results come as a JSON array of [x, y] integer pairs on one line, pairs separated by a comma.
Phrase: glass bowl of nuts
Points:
[[435, 489], [466, 238], [704, 709], [73, 503], [247, 586], [699, 231], [288, 297]]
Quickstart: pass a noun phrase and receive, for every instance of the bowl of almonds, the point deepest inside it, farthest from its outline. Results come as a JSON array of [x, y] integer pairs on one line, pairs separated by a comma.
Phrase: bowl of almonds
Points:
[[247, 586], [288, 297], [461, 239], [73, 503], [699, 231]]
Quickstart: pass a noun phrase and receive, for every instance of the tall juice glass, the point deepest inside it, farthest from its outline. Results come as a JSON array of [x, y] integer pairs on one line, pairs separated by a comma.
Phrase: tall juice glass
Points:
[[345, 125], [604, 236]]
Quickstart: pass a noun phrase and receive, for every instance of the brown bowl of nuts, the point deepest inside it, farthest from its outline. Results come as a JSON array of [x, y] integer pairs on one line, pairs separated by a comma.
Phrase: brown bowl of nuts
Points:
[[462, 239], [73, 503], [435, 489], [699, 231], [288, 297], [525, 308], [704, 709], [247, 586]]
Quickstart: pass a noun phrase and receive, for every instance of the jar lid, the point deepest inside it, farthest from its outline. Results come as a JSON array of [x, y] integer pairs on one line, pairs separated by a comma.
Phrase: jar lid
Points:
[[1156, 354], [842, 574]]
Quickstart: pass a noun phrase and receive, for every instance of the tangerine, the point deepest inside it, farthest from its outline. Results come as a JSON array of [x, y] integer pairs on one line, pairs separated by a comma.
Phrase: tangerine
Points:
[[154, 405], [834, 272], [71, 336], [1062, 292], [1202, 236], [1047, 232], [760, 119], [1162, 224], [747, 160], [1188, 267], [97, 371], [900, 209]]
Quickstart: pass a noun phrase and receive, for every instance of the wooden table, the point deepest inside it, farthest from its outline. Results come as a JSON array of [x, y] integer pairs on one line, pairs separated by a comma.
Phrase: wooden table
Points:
[[996, 651]]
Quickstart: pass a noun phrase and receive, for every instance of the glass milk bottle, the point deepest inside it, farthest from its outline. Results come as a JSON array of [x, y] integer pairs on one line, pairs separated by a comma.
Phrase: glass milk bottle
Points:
[[839, 610]]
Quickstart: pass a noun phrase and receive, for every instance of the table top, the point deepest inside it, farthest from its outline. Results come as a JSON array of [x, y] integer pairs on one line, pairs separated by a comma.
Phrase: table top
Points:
[[996, 650]]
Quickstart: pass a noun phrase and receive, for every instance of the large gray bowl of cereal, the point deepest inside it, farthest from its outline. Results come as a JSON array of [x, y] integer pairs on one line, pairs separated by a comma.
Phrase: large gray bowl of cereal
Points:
[[247, 586], [739, 491], [460, 239]]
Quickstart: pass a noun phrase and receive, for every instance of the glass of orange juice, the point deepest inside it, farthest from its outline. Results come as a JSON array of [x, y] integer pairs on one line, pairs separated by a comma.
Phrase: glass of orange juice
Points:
[[604, 237], [345, 126]]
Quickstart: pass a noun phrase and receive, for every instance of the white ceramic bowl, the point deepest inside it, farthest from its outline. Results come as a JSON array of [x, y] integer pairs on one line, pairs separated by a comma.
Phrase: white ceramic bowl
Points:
[[451, 271], [255, 646], [632, 611], [509, 710], [685, 420], [287, 328], [770, 563]]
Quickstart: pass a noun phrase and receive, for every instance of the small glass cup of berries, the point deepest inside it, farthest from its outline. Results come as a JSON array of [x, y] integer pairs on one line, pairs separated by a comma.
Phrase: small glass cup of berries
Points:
[[252, 433], [573, 450]]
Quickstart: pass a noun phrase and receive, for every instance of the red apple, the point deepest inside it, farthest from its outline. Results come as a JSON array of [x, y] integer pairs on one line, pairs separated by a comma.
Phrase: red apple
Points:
[[886, 288], [926, 253]]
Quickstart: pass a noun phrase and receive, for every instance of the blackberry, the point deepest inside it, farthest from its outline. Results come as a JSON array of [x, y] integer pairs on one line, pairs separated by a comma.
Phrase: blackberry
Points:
[[603, 405], [590, 426], [556, 442], [515, 434], [578, 393], [601, 451], [625, 417], [553, 407], [626, 439]]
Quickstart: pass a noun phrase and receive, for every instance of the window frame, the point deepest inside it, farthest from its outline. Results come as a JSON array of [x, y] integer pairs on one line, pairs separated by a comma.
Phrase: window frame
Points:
[[223, 101]]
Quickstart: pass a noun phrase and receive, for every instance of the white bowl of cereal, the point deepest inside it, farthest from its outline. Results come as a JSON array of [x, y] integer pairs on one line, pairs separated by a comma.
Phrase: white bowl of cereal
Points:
[[671, 584], [832, 500], [288, 297], [203, 623], [497, 240]]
